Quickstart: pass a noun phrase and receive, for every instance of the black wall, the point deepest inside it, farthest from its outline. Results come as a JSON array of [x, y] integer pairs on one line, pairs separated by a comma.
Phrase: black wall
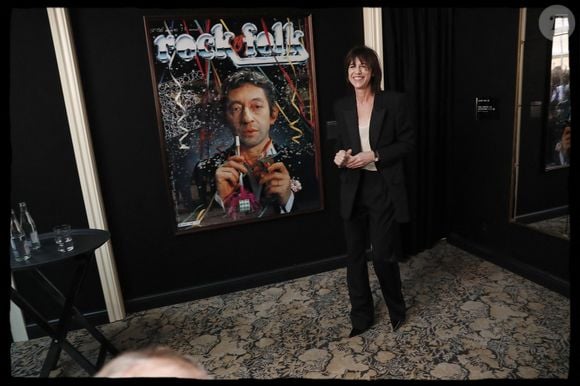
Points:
[[486, 43], [43, 171], [155, 267]]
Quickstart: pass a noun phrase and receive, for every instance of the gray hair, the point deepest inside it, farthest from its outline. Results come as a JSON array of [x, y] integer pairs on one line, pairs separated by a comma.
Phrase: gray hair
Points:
[[152, 362]]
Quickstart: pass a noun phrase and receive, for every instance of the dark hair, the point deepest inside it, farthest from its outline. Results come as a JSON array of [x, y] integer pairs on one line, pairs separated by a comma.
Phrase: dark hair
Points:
[[246, 76], [369, 57]]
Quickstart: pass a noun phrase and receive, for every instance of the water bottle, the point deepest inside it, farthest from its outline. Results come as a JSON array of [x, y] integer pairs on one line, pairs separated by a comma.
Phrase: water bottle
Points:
[[29, 227], [18, 247]]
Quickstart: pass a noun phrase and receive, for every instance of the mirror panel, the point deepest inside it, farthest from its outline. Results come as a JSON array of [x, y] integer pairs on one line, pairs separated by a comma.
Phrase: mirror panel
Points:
[[542, 125], [559, 122]]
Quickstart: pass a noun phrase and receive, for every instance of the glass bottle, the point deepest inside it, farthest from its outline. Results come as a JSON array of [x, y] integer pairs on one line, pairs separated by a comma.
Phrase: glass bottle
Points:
[[18, 247], [29, 227]]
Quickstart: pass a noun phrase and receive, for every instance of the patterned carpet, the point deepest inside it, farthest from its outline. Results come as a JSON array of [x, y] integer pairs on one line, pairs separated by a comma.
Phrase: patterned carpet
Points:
[[558, 226], [468, 319]]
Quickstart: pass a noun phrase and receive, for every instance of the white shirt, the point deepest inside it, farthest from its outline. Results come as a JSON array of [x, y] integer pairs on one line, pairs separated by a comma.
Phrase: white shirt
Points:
[[365, 144]]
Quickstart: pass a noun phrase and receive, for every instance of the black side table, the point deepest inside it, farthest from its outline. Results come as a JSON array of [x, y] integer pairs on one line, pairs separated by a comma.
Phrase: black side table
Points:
[[86, 241]]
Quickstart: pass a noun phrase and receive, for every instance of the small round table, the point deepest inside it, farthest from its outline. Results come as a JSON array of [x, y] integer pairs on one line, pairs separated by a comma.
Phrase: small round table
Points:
[[85, 241]]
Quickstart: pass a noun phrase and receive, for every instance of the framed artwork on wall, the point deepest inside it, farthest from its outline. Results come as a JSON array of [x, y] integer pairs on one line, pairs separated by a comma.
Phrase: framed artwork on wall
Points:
[[237, 115]]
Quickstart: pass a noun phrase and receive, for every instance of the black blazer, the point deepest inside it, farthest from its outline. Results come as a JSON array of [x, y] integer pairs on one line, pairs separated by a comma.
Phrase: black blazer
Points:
[[391, 134]]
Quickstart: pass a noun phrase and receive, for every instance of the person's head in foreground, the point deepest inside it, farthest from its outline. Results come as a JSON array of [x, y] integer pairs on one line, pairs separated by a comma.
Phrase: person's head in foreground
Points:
[[161, 362]]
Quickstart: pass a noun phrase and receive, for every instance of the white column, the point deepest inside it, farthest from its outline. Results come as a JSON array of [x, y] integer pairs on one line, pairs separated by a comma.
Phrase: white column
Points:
[[373, 30], [83, 149], [518, 114], [17, 326]]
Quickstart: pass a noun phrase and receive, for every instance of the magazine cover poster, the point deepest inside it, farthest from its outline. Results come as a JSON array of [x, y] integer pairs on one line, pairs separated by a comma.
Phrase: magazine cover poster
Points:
[[237, 116]]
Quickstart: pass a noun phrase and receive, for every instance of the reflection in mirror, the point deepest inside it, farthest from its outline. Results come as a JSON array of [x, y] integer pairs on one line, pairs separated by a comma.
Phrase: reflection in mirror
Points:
[[559, 126], [542, 128], [557, 226]]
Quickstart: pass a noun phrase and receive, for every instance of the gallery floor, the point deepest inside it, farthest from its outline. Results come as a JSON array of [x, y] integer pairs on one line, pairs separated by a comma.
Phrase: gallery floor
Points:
[[468, 319]]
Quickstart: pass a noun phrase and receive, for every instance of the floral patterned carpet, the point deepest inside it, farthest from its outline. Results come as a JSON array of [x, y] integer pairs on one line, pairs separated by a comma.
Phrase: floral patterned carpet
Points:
[[467, 320], [558, 226]]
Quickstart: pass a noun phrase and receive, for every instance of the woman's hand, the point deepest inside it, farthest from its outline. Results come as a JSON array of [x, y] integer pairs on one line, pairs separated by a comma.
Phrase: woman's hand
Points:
[[360, 160], [342, 157]]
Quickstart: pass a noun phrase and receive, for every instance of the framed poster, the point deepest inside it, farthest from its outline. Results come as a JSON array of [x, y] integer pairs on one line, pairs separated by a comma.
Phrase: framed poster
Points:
[[237, 114]]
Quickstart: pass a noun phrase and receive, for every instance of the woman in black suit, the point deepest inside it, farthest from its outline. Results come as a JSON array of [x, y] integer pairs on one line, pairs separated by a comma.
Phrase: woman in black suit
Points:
[[374, 134]]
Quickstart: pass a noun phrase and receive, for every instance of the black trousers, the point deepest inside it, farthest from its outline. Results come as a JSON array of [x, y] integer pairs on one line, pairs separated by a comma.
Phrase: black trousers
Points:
[[373, 216]]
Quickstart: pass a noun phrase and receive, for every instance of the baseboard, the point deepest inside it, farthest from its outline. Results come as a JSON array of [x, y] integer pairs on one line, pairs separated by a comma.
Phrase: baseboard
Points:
[[534, 274], [207, 290], [236, 284], [543, 215]]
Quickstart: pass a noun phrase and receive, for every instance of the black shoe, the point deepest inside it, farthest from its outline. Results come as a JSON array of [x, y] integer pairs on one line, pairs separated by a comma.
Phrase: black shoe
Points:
[[396, 323], [357, 331]]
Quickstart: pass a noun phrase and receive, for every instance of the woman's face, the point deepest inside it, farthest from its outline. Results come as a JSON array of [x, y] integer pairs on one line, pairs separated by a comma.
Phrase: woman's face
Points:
[[359, 74]]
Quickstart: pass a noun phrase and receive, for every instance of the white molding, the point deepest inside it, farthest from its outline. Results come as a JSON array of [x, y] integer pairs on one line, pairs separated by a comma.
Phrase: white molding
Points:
[[373, 32], [84, 156], [518, 114], [17, 325]]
